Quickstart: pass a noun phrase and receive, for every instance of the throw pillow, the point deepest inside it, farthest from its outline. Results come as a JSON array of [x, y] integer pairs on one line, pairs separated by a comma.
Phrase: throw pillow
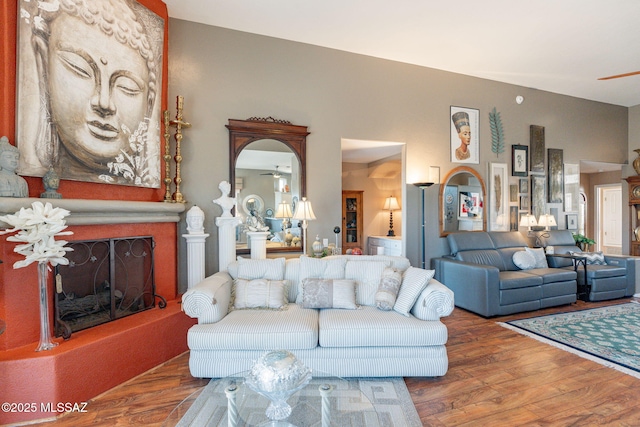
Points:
[[414, 280], [593, 258], [259, 293], [539, 256], [524, 260], [329, 293], [269, 268], [367, 276], [319, 268], [388, 289]]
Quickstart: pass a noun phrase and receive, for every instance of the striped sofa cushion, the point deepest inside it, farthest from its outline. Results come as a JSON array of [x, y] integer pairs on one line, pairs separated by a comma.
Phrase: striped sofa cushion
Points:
[[414, 280], [270, 268], [370, 327], [293, 328], [367, 275]]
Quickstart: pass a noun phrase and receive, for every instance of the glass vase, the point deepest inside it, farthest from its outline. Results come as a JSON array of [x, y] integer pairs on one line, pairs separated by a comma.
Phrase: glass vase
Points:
[[45, 329]]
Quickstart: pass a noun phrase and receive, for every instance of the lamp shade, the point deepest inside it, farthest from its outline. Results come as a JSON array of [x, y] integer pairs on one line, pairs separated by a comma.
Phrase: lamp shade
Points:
[[304, 211], [528, 220], [284, 210], [391, 204], [547, 221]]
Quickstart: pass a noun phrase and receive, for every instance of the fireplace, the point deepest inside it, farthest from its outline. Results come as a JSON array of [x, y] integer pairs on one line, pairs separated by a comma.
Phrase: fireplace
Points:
[[105, 280]]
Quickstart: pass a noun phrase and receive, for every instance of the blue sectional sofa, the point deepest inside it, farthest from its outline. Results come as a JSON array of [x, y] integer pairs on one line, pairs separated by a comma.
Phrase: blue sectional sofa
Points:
[[481, 273]]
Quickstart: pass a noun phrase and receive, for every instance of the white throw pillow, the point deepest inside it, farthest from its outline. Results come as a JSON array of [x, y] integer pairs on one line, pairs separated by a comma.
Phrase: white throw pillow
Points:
[[259, 293], [388, 289], [269, 268], [414, 280], [329, 293], [539, 256], [524, 260], [367, 275]]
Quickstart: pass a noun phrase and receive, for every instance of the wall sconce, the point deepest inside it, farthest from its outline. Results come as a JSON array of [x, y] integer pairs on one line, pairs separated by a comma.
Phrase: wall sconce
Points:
[[391, 204]]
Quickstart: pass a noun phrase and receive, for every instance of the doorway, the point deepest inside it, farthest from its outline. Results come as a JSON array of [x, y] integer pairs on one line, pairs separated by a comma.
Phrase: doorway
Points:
[[608, 224], [378, 169]]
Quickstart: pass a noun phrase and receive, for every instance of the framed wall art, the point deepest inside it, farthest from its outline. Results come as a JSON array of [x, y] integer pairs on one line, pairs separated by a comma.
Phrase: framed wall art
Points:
[[538, 195], [524, 203], [498, 197], [536, 146], [513, 193], [513, 218], [64, 120], [465, 135], [524, 185], [555, 175], [572, 221], [571, 187], [519, 160]]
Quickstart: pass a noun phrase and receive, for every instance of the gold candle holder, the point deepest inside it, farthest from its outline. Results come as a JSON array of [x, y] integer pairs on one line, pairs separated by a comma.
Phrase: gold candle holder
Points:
[[179, 124], [167, 158]]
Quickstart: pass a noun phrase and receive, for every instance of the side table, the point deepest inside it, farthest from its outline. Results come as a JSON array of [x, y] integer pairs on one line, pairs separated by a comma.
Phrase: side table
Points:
[[583, 287]]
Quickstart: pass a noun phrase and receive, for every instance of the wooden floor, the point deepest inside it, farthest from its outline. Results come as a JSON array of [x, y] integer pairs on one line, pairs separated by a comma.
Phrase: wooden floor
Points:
[[496, 377]]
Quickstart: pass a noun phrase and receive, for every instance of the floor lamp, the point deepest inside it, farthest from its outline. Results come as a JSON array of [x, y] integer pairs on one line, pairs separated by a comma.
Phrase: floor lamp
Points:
[[423, 186], [304, 213]]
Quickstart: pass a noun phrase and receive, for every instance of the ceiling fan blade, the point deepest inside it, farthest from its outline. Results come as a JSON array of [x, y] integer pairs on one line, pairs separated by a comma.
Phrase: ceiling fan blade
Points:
[[617, 76]]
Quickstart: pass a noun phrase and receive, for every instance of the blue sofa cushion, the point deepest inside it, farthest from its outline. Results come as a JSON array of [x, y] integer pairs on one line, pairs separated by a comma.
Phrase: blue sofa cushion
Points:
[[551, 275], [518, 279], [482, 256]]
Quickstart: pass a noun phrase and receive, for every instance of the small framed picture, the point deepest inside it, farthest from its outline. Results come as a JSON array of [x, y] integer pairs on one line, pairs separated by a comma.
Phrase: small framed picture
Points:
[[524, 203], [524, 186], [465, 135], [519, 160], [572, 221], [513, 193]]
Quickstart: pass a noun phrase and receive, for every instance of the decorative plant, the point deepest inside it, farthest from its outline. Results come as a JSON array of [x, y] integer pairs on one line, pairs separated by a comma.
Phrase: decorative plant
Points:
[[582, 241], [36, 228], [497, 134]]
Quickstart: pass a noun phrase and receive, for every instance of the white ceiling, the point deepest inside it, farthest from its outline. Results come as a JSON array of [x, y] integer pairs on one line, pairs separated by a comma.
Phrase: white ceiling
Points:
[[560, 46]]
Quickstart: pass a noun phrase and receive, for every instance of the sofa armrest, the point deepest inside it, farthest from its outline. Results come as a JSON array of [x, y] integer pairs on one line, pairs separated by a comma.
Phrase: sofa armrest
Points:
[[476, 286], [434, 302], [629, 263], [208, 301]]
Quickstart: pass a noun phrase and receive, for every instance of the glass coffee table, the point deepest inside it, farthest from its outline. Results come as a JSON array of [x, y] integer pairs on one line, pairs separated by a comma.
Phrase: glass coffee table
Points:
[[325, 401]]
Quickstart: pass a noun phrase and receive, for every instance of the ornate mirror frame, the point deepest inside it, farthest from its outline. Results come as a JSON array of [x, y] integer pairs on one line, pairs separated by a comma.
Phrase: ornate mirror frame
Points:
[[244, 132], [441, 202]]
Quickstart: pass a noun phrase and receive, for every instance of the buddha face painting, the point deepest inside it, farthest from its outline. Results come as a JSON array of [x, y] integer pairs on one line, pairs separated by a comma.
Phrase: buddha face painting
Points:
[[97, 64]]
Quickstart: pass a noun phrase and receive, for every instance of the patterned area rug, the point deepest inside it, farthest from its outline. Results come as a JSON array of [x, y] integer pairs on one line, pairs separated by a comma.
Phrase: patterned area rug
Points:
[[389, 396], [607, 335]]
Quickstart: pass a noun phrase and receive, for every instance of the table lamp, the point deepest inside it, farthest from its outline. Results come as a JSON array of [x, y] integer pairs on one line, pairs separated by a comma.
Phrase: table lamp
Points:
[[284, 212], [390, 204], [304, 213], [528, 221], [547, 221]]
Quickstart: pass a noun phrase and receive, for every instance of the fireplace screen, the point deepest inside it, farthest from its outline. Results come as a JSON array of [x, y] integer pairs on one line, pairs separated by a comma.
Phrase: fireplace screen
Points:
[[105, 280]]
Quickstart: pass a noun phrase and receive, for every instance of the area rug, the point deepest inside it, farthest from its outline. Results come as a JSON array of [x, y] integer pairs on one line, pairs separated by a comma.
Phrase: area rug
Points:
[[607, 335], [390, 397]]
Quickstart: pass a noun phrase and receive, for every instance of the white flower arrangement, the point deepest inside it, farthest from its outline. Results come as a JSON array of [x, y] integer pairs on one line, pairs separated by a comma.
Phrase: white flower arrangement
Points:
[[36, 229]]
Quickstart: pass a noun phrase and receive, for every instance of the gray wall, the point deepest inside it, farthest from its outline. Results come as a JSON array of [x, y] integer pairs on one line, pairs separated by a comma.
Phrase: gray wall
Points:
[[227, 74]]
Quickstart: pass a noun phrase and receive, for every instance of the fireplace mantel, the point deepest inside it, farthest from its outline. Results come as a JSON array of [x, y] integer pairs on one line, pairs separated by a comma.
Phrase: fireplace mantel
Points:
[[96, 212]]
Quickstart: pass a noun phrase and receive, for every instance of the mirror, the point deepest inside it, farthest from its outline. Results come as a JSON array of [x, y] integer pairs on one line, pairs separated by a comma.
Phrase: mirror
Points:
[[267, 167], [461, 201]]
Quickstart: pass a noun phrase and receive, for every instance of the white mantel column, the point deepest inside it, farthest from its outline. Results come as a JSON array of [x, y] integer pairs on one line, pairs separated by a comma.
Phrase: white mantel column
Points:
[[195, 258], [226, 241], [258, 244]]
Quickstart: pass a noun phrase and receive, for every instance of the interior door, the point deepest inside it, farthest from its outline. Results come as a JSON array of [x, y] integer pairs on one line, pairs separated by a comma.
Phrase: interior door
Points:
[[611, 218]]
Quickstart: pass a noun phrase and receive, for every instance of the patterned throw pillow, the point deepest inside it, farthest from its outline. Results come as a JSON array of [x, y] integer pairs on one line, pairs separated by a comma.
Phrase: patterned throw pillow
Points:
[[593, 258], [388, 289], [329, 293], [259, 293], [540, 257], [524, 260]]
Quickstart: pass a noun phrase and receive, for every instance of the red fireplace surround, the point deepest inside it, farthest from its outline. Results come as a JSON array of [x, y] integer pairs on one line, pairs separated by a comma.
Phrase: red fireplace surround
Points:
[[96, 359]]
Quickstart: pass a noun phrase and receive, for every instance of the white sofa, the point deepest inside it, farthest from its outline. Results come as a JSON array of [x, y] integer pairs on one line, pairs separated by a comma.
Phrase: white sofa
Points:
[[367, 341]]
